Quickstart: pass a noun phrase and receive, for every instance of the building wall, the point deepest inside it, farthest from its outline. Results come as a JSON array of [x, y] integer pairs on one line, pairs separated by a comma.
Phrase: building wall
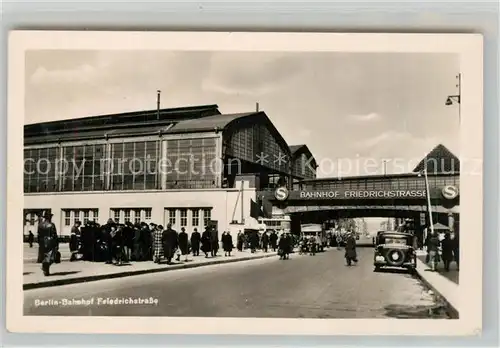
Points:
[[221, 202]]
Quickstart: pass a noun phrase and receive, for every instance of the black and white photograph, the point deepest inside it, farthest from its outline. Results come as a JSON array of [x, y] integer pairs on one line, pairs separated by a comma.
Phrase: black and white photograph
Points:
[[243, 183]]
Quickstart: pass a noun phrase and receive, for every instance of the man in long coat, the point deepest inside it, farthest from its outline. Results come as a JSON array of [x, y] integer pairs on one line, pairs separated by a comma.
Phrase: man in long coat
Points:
[[107, 240], [273, 238], [447, 251], [170, 242], [350, 247], [49, 242], [240, 240], [137, 250], [158, 244], [214, 238], [184, 243], [195, 242], [265, 241], [206, 241]]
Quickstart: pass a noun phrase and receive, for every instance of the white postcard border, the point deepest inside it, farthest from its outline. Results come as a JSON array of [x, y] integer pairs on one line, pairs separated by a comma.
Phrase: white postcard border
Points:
[[468, 46]]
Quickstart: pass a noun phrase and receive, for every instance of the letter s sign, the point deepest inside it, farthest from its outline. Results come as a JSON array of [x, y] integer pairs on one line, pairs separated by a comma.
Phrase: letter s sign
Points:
[[281, 193], [450, 192]]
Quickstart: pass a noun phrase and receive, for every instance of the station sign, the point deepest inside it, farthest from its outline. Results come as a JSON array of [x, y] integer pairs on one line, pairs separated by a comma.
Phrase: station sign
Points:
[[283, 195], [450, 192]]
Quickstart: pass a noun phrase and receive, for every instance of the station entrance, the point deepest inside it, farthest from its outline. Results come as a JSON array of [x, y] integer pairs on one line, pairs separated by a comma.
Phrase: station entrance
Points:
[[403, 196]]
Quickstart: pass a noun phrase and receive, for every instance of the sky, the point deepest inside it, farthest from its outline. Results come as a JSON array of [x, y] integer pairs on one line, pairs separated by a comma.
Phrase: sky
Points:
[[359, 113]]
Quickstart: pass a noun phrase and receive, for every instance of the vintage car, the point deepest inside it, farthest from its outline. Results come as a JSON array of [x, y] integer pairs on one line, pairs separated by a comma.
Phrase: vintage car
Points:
[[395, 249]]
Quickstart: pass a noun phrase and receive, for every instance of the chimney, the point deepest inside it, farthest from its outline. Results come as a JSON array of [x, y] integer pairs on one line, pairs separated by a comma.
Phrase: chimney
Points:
[[257, 107]]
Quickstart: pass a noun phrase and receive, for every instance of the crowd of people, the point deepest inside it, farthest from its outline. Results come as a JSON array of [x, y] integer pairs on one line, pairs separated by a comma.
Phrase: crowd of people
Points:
[[115, 243]]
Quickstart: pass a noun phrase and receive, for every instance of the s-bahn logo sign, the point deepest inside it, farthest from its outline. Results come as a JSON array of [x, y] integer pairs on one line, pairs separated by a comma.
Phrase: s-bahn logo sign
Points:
[[281, 193], [450, 192]]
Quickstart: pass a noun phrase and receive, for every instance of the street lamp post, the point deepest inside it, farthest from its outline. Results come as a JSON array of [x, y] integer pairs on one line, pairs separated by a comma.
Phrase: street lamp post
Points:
[[456, 98], [429, 206]]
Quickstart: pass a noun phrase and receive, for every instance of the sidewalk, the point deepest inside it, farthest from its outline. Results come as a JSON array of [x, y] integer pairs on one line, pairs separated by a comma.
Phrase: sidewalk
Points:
[[83, 271], [444, 284], [30, 254]]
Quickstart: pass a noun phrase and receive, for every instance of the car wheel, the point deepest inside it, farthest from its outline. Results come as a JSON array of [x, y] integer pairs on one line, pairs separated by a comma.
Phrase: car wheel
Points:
[[376, 269], [395, 257]]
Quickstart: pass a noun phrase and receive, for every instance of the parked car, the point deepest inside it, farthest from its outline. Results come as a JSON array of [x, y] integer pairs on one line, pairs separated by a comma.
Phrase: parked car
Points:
[[395, 249]]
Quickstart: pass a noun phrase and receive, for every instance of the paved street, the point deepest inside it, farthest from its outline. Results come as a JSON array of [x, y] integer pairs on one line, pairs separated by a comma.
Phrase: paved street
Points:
[[302, 287]]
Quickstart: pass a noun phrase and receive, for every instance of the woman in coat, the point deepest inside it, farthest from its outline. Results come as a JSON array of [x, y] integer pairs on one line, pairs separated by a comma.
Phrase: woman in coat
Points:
[[227, 243], [158, 244]]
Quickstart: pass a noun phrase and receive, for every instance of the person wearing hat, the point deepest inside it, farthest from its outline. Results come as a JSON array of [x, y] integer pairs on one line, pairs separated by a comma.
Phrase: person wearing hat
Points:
[[184, 243], [170, 242], [350, 248], [195, 242], [49, 242]]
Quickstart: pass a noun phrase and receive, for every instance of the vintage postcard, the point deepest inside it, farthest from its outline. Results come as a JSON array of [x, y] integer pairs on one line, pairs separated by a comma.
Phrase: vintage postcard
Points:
[[245, 183]]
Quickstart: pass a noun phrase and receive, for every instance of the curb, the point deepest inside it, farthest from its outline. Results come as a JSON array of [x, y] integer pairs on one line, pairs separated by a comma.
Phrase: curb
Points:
[[453, 312], [91, 278]]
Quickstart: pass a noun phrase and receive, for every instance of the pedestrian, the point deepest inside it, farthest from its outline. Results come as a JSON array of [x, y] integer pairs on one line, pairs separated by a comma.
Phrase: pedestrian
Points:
[[265, 241], [170, 243], [31, 239], [214, 238], [350, 249], [432, 245], [195, 242], [284, 245], [338, 239], [240, 240], [145, 242], [128, 240], [152, 229], [273, 239], [49, 242], [39, 242], [456, 249], [118, 244], [254, 241], [312, 246], [447, 251], [206, 241], [158, 244], [74, 241], [227, 243], [184, 243], [107, 240]]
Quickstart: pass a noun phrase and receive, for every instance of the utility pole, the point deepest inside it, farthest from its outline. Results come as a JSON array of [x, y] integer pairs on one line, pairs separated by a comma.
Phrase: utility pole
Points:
[[158, 105]]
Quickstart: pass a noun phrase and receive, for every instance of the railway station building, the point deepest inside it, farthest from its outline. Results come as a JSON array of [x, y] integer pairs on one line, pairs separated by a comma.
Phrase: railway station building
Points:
[[187, 166]]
